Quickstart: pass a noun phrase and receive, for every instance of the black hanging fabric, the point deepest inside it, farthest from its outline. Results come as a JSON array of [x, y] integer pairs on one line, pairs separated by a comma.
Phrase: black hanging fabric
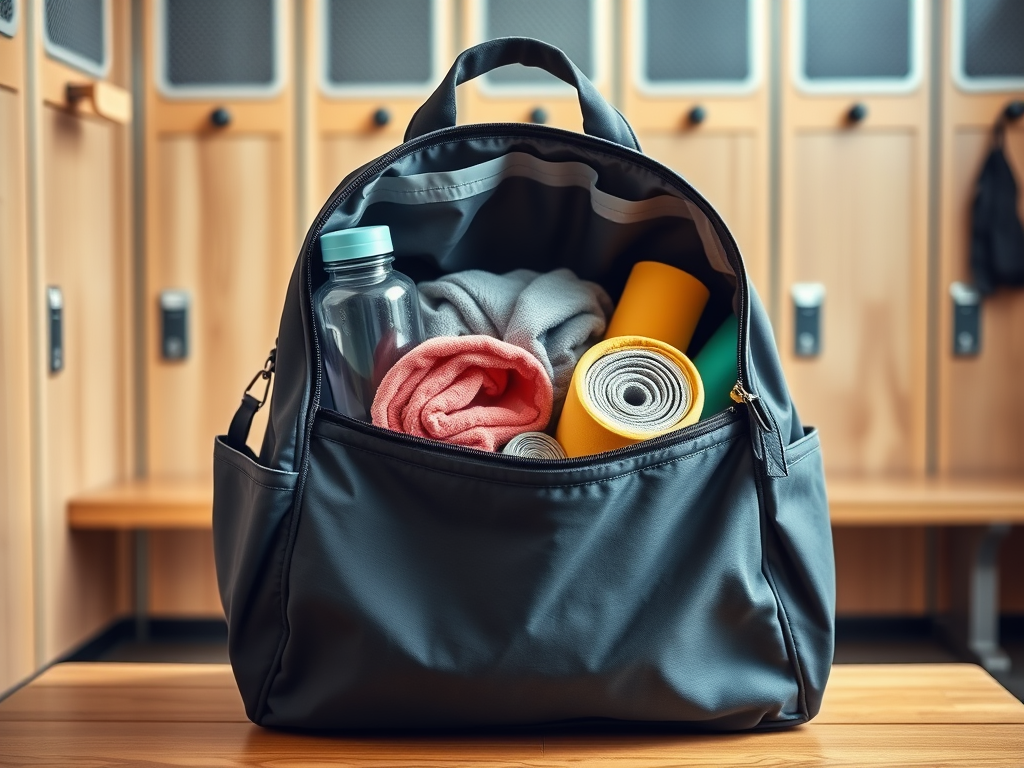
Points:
[[997, 236]]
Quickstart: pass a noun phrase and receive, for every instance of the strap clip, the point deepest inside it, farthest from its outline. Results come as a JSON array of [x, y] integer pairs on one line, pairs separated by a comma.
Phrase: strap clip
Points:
[[268, 371]]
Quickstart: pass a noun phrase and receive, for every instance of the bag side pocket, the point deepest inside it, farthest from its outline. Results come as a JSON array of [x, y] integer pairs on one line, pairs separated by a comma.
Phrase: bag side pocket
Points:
[[802, 562], [250, 505]]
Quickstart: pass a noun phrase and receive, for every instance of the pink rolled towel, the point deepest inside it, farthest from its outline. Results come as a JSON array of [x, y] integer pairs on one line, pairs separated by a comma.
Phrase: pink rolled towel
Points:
[[475, 391]]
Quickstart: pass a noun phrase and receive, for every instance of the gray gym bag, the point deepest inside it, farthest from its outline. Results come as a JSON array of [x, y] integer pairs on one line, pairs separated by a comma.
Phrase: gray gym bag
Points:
[[373, 580]]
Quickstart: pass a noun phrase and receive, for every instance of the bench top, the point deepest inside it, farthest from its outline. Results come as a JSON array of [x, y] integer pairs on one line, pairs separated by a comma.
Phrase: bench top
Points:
[[176, 714], [187, 503]]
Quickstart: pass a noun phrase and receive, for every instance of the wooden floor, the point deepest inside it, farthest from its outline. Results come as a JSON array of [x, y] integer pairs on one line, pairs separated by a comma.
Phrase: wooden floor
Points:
[[191, 714]]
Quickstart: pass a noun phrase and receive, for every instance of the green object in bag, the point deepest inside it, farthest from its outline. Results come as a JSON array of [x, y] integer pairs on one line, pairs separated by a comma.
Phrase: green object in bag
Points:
[[716, 363]]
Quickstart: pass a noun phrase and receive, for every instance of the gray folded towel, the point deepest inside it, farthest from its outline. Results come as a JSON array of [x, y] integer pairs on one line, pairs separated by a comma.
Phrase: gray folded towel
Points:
[[555, 316]]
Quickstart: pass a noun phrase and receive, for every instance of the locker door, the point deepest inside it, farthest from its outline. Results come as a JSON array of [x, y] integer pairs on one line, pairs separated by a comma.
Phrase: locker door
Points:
[[82, 55], [854, 222], [696, 93], [581, 28], [370, 66], [981, 416], [16, 617], [221, 240]]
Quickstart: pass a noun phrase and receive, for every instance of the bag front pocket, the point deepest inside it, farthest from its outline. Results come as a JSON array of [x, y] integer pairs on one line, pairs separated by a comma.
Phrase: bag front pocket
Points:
[[433, 589]]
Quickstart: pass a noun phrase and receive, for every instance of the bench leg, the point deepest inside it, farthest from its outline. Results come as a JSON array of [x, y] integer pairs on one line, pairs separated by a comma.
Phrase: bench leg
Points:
[[973, 623]]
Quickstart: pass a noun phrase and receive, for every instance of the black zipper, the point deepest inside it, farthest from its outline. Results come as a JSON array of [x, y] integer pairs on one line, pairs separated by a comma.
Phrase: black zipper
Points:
[[701, 428], [524, 130]]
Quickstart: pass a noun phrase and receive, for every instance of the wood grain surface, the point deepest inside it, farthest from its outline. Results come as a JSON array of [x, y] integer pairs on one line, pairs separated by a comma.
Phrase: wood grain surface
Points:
[[189, 714], [16, 593]]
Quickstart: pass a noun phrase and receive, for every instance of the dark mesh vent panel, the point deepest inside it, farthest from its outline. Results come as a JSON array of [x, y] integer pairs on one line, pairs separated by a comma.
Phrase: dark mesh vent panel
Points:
[[219, 42], [565, 23], [379, 43], [697, 40], [993, 42], [857, 39], [77, 26], [7, 10]]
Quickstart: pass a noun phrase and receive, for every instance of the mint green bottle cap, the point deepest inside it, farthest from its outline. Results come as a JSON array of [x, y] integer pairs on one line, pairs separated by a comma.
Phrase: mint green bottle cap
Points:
[[356, 243]]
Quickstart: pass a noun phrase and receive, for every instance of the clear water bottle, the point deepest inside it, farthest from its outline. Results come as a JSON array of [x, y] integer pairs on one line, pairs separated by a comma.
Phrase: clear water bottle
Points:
[[369, 315]]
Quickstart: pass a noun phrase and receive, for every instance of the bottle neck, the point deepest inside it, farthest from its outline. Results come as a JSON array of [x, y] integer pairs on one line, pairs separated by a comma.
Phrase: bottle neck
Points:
[[366, 271]]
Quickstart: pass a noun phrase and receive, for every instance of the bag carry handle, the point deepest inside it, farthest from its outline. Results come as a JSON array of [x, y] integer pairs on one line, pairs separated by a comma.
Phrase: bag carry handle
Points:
[[600, 118]]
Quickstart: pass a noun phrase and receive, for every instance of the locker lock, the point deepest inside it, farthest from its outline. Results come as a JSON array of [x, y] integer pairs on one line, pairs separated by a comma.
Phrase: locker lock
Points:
[[220, 117], [539, 115], [807, 301], [966, 320], [697, 115], [174, 324], [55, 310], [381, 117]]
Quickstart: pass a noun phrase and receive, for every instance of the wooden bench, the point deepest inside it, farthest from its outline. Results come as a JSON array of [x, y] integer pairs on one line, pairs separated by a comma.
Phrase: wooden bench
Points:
[[982, 509], [191, 714]]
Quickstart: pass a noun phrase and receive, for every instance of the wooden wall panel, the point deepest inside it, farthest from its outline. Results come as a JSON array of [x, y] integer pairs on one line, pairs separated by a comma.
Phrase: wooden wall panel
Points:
[[726, 156], [183, 560], [880, 571], [16, 563]]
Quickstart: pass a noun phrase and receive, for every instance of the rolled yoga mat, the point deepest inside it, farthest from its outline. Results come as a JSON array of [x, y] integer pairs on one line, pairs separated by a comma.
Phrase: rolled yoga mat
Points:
[[625, 390], [716, 363], [534, 445], [659, 302]]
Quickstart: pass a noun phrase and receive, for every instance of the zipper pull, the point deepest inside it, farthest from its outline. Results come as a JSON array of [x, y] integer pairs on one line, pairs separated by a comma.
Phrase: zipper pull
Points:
[[764, 433]]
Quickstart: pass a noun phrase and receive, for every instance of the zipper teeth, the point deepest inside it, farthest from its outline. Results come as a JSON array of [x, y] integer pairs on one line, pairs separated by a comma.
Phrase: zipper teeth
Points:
[[678, 436], [500, 130]]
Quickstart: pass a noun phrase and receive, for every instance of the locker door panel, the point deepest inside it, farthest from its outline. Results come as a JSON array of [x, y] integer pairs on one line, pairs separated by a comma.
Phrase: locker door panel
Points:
[[16, 594], [695, 92], [982, 412], [853, 201], [221, 232], [86, 421]]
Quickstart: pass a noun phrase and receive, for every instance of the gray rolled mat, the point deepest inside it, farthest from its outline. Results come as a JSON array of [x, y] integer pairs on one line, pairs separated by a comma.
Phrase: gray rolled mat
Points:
[[534, 445], [638, 390]]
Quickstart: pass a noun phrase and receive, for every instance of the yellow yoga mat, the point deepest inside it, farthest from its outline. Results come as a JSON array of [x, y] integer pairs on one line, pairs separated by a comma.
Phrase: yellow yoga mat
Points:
[[659, 302], [625, 390]]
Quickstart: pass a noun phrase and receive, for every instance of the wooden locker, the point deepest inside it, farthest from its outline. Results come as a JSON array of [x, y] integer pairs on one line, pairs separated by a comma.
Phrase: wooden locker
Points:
[[17, 634], [854, 150], [696, 92], [81, 54], [368, 67], [220, 203], [980, 413], [581, 28]]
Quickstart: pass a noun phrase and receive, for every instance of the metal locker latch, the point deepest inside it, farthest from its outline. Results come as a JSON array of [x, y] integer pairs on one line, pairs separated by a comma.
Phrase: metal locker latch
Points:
[[55, 307], [807, 301], [174, 324], [966, 320]]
